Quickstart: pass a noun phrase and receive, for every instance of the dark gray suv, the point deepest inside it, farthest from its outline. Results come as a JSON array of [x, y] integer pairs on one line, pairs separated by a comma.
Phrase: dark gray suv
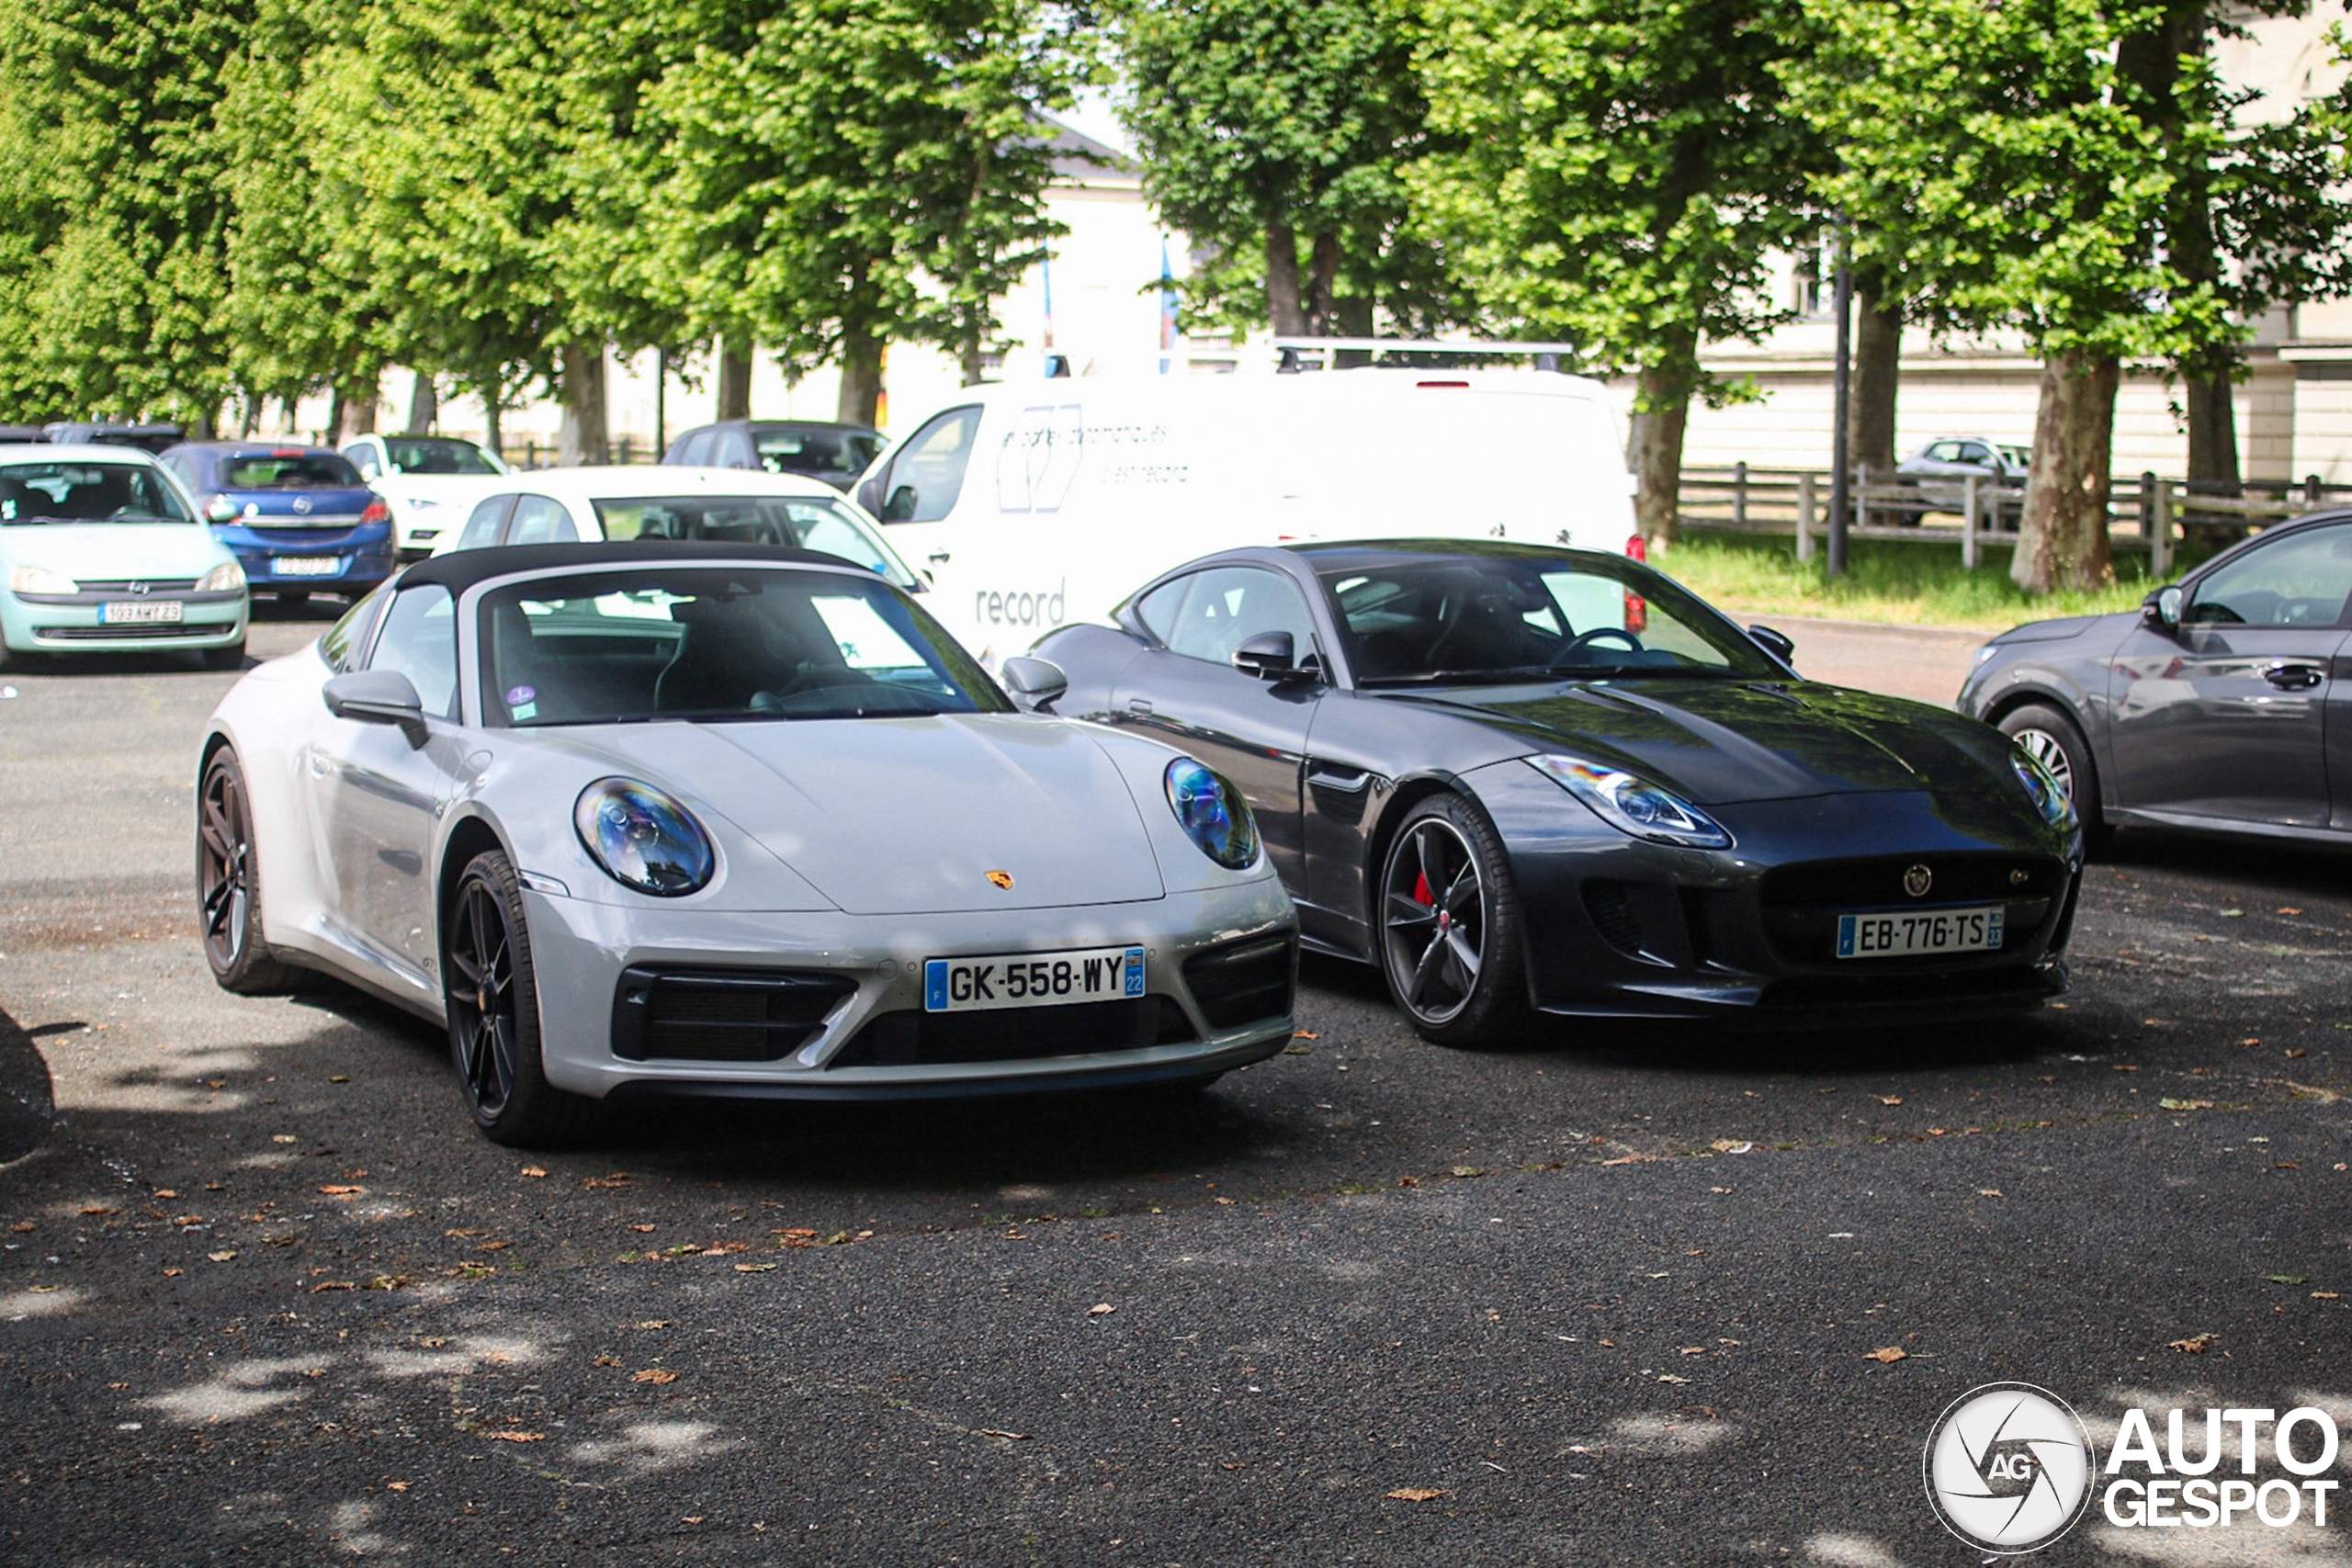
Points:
[[2205, 708]]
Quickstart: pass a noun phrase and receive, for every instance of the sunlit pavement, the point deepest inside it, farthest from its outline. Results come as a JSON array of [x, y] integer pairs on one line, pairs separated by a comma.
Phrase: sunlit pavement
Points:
[[1608, 1298]]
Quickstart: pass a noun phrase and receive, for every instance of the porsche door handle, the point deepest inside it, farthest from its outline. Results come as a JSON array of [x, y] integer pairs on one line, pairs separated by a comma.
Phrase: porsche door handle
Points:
[[2292, 677]]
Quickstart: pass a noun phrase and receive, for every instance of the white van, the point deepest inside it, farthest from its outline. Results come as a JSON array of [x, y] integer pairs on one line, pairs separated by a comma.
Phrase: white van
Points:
[[1037, 503]]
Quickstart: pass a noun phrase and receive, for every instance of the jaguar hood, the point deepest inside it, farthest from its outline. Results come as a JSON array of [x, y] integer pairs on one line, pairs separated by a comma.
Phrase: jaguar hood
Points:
[[1725, 742]]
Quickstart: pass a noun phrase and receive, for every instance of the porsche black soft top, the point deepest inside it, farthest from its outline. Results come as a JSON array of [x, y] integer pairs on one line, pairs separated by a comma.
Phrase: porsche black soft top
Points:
[[460, 569]]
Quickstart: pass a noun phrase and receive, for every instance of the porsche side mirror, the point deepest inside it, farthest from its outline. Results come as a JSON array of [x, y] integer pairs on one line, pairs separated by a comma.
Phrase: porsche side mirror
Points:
[[1269, 656], [2161, 610], [1778, 644], [377, 696], [1035, 684]]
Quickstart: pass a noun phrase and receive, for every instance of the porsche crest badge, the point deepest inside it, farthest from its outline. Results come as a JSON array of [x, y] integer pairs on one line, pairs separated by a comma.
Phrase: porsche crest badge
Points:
[[1002, 879]]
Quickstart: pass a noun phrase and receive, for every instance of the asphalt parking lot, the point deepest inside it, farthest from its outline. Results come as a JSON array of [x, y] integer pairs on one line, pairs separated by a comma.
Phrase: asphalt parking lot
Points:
[[1606, 1298]]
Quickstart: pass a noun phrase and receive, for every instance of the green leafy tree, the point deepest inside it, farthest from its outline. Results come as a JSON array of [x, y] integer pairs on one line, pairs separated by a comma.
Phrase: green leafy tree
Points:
[[1621, 170], [113, 213], [844, 173], [2072, 171], [1275, 133]]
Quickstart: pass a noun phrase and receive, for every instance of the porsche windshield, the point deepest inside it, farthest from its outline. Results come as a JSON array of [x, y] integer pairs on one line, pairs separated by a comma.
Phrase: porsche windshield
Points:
[[1485, 618], [809, 522], [88, 492], [707, 643]]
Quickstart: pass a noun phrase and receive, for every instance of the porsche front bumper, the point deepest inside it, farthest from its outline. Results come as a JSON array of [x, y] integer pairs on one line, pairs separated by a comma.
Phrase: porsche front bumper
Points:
[[636, 1003]]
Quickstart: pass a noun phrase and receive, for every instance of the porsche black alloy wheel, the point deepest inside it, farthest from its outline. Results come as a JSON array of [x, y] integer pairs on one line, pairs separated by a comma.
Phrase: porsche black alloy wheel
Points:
[[228, 883], [493, 1006], [1450, 927]]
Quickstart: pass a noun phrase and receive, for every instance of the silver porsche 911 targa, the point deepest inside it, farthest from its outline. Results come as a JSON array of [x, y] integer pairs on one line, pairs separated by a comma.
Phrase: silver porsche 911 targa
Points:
[[640, 820]]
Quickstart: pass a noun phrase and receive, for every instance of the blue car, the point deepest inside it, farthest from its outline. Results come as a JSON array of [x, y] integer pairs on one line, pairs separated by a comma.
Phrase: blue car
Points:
[[299, 519]]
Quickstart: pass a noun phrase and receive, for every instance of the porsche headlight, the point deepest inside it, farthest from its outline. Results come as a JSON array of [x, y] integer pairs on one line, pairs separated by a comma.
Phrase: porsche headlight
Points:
[[1634, 806], [642, 838], [223, 579], [1213, 814], [2050, 796], [40, 580]]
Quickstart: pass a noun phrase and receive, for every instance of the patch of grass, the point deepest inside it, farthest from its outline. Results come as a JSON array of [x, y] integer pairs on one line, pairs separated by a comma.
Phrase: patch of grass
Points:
[[1886, 580]]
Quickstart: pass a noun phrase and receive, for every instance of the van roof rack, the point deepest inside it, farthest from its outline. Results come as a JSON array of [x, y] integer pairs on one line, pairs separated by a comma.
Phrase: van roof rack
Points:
[[1548, 356]]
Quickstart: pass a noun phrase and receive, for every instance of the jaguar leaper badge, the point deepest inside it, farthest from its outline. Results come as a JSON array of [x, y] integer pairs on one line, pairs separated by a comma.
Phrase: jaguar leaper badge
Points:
[[1917, 880], [1002, 879]]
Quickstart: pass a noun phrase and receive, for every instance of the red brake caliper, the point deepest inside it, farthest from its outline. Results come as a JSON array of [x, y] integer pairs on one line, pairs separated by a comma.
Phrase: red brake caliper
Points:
[[1422, 894]]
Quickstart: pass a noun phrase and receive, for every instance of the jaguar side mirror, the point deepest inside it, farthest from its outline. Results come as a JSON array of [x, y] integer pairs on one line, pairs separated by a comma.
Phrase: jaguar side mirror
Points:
[[1778, 644], [1035, 684], [1269, 656], [377, 696], [2161, 610]]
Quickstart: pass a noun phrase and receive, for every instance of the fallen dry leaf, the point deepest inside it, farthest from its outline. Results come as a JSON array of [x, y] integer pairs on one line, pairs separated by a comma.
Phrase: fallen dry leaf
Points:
[[1100, 1309], [1466, 1171], [605, 1361], [754, 1267], [1890, 1100], [656, 1323], [2194, 1344], [654, 1375], [284, 1138], [1988, 1192], [332, 1285], [618, 1178], [1008, 1437], [640, 1229], [1692, 1350], [174, 1273], [1888, 1354], [398, 1485], [1415, 1494], [97, 1209], [1669, 1377], [534, 1171], [493, 1246], [513, 1437], [2289, 910], [1305, 1034], [2326, 1295], [434, 1343], [341, 1189], [165, 1193], [221, 1257], [2170, 1104]]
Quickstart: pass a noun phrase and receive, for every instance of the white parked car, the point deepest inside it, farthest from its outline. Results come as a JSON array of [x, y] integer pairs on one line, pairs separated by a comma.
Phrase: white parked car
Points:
[[665, 820], [427, 481], [559, 505], [1034, 504]]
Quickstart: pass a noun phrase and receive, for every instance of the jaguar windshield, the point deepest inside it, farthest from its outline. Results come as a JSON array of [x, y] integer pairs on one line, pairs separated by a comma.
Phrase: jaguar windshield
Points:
[[88, 492], [1476, 618], [708, 643]]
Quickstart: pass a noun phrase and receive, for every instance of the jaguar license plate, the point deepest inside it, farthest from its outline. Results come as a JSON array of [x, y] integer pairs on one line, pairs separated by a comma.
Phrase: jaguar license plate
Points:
[[137, 612], [1892, 934], [306, 566], [1032, 979]]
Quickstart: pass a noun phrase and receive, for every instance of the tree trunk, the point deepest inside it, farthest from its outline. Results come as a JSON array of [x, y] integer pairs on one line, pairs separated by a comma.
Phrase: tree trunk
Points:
[[1661, 412], [1323, 277], [974, 363], [2062, 539], [1281, 282], [335, 414], [861, 378], [423, 405], [734, 380], [493, 422], [1353, 313], [582, 438], [2212, 434], [1878, 369], [359, 411]]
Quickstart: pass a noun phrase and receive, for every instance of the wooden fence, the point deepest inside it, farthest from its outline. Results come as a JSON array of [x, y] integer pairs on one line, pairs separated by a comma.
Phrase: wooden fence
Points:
[[2145, 513]]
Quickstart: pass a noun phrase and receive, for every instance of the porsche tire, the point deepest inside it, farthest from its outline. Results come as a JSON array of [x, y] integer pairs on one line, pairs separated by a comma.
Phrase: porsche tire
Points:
[[228, 884], [1451, 936], [493, 999]]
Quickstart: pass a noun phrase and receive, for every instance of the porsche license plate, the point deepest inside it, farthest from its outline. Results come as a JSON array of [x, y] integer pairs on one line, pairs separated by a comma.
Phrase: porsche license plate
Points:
[[306, 566], [1896, 935], [1032, 979], [137, 612]]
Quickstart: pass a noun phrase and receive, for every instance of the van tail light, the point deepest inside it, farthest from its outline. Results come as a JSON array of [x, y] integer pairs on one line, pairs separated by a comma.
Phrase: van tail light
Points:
[[1637, 611], [377, 512]]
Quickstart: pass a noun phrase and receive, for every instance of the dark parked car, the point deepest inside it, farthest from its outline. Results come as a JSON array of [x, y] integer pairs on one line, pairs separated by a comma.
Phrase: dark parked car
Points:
[[2208, 707], [300, 519], [1517, 777], [836, 454], [152, 438]]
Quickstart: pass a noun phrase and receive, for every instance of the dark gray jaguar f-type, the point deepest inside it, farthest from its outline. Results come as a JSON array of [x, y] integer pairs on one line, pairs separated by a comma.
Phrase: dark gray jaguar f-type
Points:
[[1522, 778]]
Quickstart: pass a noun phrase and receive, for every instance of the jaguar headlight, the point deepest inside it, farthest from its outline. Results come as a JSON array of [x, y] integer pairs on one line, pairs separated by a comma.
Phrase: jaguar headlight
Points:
[[643, 838], [1634, 806], [40, 580], [1213, 814], [226, 578], [2050, 796]]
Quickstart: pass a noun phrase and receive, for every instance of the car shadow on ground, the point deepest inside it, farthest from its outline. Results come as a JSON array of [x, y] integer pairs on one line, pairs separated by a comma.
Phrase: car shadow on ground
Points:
[[2280, 865]]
